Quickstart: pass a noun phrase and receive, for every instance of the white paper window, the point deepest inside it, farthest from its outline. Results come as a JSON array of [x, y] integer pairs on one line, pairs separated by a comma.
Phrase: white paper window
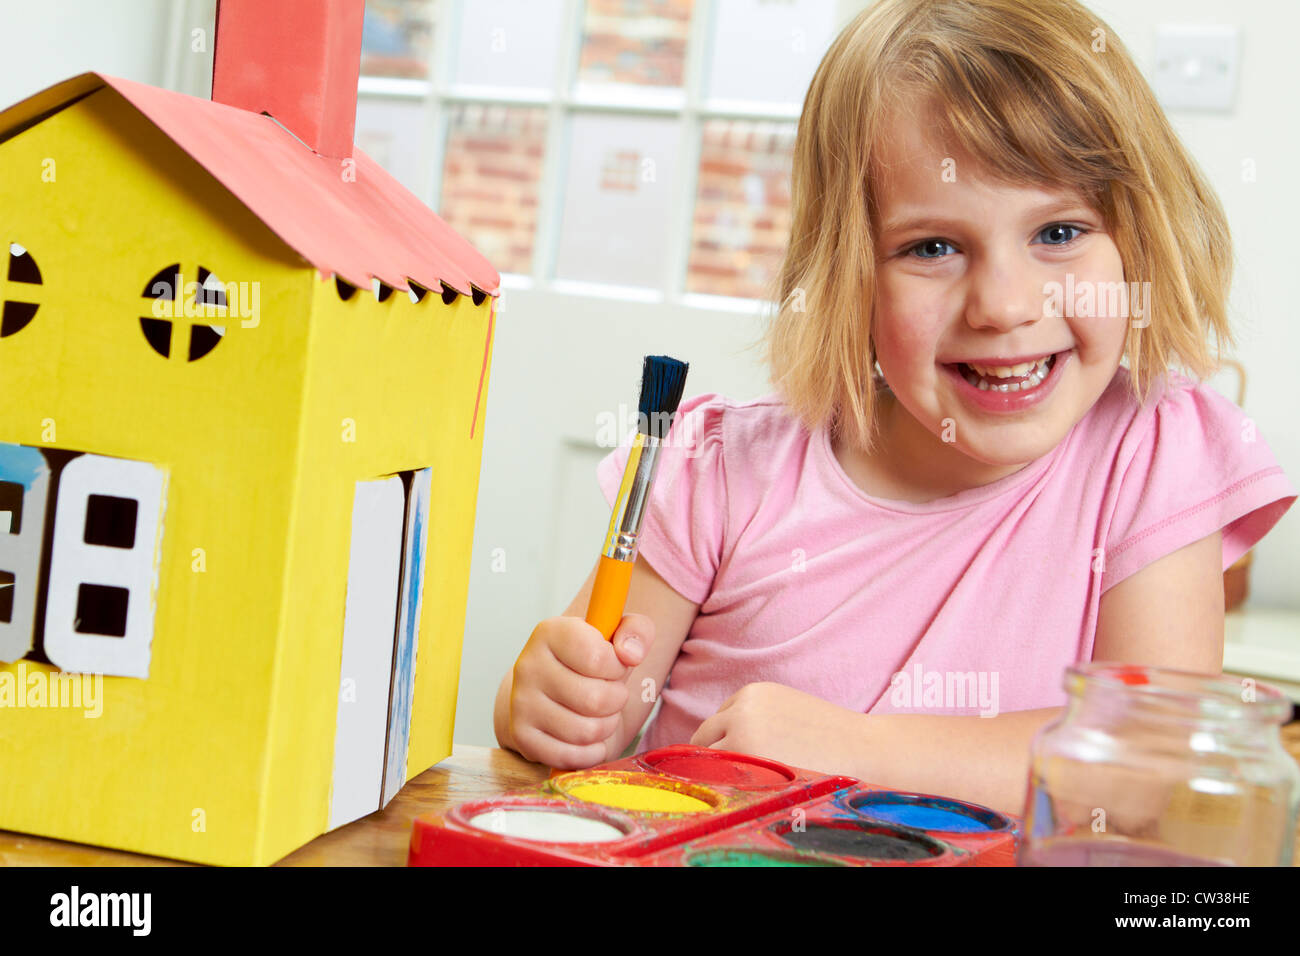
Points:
[[374, 569], [618, 200], [99, 610]]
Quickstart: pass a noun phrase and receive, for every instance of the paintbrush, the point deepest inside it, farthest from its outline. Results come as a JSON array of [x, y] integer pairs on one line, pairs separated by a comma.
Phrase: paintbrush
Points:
[[662, 381]]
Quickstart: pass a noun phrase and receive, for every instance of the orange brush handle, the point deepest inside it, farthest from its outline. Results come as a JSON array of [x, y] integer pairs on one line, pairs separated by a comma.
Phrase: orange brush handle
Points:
[[609, 595], [608, 598]]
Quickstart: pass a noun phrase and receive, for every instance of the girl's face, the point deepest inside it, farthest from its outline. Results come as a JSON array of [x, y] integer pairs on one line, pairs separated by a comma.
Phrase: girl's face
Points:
[[967, 270]]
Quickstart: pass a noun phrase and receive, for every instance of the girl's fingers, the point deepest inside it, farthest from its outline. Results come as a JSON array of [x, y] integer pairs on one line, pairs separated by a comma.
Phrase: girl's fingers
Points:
[[539, 746], [582, 650], [585, 696], [709, 732], [564, 725], [633, 639]]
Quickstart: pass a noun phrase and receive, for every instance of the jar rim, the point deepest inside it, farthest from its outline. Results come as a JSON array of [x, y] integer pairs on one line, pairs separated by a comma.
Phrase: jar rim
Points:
[[1212, 693]]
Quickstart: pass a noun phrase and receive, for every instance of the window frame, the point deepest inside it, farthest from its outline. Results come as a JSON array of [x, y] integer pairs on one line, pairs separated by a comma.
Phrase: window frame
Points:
[[562, 102]]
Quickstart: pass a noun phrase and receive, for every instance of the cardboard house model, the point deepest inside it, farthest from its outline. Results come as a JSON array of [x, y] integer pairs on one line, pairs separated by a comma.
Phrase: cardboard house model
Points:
[[244, 374]]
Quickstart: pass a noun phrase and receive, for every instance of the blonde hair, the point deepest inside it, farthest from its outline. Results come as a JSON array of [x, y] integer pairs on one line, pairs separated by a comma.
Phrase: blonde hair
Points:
[[1039, 92]]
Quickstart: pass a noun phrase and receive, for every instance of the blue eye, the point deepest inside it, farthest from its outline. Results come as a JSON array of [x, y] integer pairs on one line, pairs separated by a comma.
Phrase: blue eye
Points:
[[927, 243], [936, 246], [1062, 226]]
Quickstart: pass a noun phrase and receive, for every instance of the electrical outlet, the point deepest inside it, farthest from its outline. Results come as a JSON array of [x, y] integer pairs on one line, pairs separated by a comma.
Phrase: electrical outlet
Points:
[[1196, 66]]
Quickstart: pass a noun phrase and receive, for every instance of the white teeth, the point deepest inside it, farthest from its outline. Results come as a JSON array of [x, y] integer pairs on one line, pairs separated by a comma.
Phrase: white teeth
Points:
[[1037, 371], [1007, 371]]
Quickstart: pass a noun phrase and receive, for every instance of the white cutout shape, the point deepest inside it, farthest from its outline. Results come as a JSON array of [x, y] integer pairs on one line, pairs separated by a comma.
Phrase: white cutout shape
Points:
[[74, 563], [20, 554], [374, 569]]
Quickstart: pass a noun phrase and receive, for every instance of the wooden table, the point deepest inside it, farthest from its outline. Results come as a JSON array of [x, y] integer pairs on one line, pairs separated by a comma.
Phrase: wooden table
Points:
[[380, 839]]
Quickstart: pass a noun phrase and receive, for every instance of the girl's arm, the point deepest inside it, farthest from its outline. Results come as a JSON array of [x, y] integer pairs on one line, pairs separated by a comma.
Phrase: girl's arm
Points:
[[1168, 614], [981, 759]]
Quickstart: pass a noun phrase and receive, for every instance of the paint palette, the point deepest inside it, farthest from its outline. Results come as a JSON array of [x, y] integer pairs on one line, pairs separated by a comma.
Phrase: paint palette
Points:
[[691, 806]]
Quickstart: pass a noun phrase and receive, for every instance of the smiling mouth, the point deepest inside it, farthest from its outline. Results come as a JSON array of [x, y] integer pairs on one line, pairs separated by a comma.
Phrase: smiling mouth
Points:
[[1024, 377]]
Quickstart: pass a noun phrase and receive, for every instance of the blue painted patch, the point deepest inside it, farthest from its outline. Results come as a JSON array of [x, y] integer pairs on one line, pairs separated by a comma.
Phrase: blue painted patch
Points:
[[399, 716], [21, 465]]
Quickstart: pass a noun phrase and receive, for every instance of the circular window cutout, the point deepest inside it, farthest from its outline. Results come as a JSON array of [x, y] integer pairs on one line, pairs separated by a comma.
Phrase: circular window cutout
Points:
[[206, 299], [21, 292]]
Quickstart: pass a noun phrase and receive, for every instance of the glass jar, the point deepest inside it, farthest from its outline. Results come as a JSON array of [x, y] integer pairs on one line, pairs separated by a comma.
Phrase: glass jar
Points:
[[1156, 767]]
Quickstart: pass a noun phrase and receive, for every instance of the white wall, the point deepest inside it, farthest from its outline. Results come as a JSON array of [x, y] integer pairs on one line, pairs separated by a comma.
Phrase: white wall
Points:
[[1264, 126], [43, 43]]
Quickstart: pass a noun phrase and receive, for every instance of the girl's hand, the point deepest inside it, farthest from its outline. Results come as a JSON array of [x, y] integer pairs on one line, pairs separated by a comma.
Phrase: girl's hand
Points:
[[789, 726], [570, 688]]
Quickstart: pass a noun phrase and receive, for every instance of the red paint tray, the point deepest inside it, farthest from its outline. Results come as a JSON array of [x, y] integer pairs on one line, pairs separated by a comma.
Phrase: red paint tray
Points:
[[749, 812]]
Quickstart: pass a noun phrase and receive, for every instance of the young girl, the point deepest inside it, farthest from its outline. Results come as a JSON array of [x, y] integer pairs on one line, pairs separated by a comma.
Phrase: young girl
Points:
[[958, 491]]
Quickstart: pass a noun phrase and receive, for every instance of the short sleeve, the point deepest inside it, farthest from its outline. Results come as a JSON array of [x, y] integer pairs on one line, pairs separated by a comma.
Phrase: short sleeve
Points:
[[685, 523], [1198, 467]]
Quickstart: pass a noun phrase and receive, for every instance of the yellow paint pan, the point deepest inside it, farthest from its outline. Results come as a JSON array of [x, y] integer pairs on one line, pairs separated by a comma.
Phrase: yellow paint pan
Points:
[[636, 792]]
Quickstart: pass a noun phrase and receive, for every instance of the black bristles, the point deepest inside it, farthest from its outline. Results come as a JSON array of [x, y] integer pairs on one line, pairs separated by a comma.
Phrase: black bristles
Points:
[[662, 381]]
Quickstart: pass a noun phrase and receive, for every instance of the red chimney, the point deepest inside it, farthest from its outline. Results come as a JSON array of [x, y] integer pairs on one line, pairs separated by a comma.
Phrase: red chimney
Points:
[[298, 60]]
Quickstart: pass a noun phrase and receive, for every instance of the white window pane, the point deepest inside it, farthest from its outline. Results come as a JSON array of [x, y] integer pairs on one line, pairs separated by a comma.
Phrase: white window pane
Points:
[[508, 43], [390, 133], [617, 200], [763, 51]]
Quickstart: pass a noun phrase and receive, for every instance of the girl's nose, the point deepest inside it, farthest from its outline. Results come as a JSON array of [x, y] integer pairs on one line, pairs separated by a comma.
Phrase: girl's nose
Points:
[[1001, 297]]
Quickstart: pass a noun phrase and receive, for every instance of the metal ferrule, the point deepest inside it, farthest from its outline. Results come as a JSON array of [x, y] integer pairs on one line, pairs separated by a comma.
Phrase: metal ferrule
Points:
[[633, 496]]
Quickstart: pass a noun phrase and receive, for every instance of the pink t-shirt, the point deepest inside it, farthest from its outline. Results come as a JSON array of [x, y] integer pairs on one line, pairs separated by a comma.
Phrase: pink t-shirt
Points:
[[973, 603]]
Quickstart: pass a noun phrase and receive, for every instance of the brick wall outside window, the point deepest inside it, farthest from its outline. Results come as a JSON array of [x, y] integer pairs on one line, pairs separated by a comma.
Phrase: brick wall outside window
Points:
[[490, 180], [742, 207], [635, 41]]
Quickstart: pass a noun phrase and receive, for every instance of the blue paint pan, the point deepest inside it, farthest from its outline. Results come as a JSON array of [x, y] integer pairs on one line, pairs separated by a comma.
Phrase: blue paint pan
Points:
[[923, 812]]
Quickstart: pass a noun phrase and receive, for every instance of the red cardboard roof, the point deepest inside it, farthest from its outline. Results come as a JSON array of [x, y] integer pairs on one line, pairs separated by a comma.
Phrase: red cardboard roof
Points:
[[372, 226]]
